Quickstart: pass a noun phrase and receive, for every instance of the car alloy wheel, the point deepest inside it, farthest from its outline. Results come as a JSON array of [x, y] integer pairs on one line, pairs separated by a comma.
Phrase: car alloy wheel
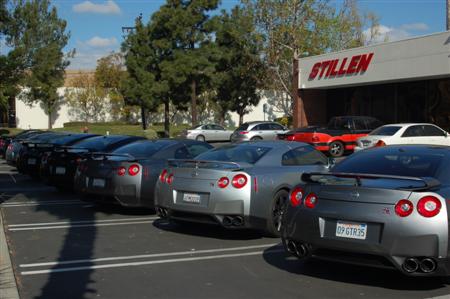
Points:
[[336, 149], [277, 211], [200, 138]]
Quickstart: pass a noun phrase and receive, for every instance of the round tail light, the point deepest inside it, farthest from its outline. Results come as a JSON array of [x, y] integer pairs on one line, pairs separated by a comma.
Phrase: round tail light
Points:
[[121, 171], [429, 206], [404, 208], [169, 179], [296, 196], [133, 169], [162, 176], [311, 201], [380, 143], [239, 181], [223, 182]]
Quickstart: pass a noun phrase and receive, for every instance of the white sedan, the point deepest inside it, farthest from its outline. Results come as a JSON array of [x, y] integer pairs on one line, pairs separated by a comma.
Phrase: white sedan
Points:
[[208, 132], [413, 133]]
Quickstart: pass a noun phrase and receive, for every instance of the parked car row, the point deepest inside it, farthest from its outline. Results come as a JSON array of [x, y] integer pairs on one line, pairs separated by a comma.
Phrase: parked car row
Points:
[[384, 206]]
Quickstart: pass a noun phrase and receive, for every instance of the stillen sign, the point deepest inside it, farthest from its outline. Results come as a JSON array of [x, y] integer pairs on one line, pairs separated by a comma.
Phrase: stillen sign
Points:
[[339, 67]]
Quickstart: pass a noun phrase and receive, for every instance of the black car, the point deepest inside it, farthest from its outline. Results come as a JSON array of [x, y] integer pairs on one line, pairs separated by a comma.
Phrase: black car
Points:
[[34, 152], [5, 140], [129, 173], [63, 161]]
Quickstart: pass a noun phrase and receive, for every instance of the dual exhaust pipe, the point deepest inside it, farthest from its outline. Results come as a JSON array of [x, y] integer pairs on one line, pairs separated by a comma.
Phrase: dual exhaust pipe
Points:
[[233, 221], [162, 212], [425, 265], [300, 250]]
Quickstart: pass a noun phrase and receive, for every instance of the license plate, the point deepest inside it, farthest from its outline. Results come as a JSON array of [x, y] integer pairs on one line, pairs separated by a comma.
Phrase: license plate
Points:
[[351, 230], [60, 170], [191, 198], [98, 183], [31, 161]]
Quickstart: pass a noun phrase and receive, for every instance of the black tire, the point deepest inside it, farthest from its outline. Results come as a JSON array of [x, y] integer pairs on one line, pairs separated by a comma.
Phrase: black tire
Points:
[[276, 212], [200, 138], [336, 149], [256, 138]]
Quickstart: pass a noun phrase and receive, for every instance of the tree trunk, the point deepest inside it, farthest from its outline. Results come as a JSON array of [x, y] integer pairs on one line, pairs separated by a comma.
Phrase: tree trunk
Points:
[[49, 120], [241, 118], [166, 119], [222, 117], [144, 119], [194, 102]]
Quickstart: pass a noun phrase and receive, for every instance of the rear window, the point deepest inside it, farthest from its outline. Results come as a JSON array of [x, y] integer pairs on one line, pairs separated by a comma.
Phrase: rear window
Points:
[[392, 162], [242, 127], [143, 149], [235, 153], [385, 131], [99, 143]]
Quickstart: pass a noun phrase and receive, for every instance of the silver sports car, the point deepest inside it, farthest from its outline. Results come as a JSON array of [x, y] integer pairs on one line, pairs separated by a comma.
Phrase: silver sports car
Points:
[[129, 173], [384, 207], [242, 185]]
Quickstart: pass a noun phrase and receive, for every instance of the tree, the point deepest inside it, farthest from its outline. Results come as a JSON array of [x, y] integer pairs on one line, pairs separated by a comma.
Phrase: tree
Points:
[[87, 97], [240, 69], [42, 34], [139, 61]]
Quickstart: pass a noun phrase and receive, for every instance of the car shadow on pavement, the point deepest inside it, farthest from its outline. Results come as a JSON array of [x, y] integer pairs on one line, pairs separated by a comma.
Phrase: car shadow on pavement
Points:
[[206, 230], [351, 274]]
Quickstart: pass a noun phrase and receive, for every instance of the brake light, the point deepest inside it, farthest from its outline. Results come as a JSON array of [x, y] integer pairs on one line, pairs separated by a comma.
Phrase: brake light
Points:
[[121, 171], [311, 201], [380, 143], [133, 169], [429, 206], [315, 138], [223, 182], [296, 196], [290, 137], [239, 181], [169, 179], [243, 132], [162, 176], [404, 208]]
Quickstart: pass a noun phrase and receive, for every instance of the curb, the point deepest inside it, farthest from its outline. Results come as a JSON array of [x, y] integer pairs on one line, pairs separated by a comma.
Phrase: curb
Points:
[[8, 286]]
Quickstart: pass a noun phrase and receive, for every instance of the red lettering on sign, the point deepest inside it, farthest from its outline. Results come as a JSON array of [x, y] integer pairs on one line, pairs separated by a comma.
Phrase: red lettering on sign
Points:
[[333, 68], [325, 64], [314, 71], [342, 69], [353, 64], [364, 62], [338, 67]]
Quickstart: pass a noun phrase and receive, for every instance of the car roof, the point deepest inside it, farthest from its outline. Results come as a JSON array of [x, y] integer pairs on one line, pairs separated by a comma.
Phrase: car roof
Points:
[[403, 125], [274, 144]]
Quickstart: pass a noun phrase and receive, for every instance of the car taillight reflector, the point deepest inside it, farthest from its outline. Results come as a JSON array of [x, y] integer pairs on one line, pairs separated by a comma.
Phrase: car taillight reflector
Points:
[[296, 196], [239, 181], [243, 132], [380, 143], [133, 169], [429, 206], [162, 176], [169, 179], [311, 200], [121, 171], [223, 182], [404, 208]]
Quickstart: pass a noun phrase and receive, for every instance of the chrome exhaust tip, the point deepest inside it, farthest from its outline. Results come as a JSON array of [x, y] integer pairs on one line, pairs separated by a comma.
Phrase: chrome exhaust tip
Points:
[[237, 221], [427, 265], [298, 249], [227, 221], [411, 265]]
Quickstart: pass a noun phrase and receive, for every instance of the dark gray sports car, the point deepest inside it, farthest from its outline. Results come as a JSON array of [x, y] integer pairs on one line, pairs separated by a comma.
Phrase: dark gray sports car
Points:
[[130, 172], [384, 207]]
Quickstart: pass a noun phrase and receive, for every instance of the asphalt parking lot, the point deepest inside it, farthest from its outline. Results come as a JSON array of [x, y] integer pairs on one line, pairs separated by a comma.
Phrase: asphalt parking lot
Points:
[[63, 247]]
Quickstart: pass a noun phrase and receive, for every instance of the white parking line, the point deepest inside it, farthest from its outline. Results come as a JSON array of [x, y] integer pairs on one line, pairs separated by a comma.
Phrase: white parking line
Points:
[[31, 204], [77, 225], [132, 257], [188, 259], [82, 221]]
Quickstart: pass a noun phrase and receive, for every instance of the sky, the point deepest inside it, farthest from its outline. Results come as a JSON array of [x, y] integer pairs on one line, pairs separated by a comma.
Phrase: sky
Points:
[[96, 26]]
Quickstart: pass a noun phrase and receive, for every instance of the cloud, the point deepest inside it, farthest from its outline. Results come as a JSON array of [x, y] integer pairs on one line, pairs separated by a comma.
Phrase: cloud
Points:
[[99, 42], [386, 33], [109, 7]]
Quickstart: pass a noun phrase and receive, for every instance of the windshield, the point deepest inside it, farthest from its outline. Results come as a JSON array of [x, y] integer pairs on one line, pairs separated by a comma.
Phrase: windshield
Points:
[[235, 153], [385, 131], [99, 143], [144, 149], [397, 162]]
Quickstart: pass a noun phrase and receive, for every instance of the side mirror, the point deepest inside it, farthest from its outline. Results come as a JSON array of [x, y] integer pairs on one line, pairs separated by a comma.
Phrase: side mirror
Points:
[[331, 162]]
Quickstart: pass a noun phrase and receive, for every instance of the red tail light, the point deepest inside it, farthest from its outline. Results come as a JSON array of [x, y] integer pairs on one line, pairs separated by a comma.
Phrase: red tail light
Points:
[[223, 182], [296, 196], [311, 201], [255, 184], [169, 179], [380, 143], [315, 138], [243, 132], [162, 176], [133, 169], [239, 181], [404, 208], [290, 137], [121, 171], [429, 206]]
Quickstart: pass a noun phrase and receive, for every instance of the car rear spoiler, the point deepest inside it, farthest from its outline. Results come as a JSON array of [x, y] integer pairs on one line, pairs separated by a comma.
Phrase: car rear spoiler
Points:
[[429, 182], [203, 164], [104, 156]]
